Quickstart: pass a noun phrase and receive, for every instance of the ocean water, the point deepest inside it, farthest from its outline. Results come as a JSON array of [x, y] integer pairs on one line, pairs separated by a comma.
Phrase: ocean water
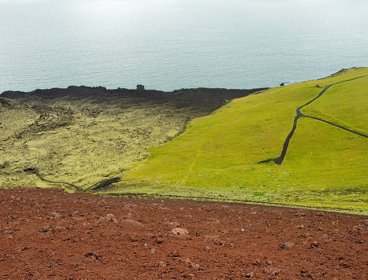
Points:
[[172, 44]]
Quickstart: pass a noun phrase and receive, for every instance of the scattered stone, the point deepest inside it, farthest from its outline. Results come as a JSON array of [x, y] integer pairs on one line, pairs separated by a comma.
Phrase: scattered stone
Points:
[[174, 254], [314, 245], [132, 222], [133, 238], [191, 264], [173, 224], [108, 218], [207, 248], [81, 248], [181, 232], [271, 271], [162, 264], [56, 215], [215, 240], [92, 255], [159, 240], [300, 214], [257, 262], [45, 229], [345, 265], [188, 276], [286, 245], [305, 274], [249, 275], [60, 228]]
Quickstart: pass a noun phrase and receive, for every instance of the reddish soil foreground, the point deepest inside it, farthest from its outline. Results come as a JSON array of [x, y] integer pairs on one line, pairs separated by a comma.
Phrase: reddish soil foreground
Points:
[[48, 234]]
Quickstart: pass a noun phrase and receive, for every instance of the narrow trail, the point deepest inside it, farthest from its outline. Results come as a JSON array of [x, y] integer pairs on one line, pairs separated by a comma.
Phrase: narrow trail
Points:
[[338, 126], [36, 172], [194, 161], [72, 187], [103, 183], [280, 159]]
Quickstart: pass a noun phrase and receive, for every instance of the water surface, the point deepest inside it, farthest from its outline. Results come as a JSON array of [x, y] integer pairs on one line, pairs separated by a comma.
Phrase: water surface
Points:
[[170, 44]]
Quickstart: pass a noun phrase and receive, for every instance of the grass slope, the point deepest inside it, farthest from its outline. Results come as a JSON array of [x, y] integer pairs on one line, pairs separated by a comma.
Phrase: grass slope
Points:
[[218, 156]]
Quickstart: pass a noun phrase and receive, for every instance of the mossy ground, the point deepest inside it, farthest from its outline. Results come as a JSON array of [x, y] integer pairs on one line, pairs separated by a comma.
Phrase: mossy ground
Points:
[[82, 136]]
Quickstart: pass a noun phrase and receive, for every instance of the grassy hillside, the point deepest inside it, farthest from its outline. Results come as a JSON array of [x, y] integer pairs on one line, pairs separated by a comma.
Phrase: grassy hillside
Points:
[[325, 164]]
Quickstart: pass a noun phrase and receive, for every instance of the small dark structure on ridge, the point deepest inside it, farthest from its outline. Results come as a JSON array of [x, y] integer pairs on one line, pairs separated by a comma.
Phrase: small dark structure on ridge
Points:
[[140, 88], [282, 84]]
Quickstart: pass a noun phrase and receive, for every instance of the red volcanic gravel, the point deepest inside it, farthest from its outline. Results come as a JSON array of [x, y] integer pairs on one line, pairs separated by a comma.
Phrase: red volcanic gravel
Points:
[[49, 234]]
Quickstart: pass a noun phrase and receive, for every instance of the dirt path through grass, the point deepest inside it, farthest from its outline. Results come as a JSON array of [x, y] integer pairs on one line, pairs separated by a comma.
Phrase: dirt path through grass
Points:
[[336, 125], [279, 160], [68, 186]]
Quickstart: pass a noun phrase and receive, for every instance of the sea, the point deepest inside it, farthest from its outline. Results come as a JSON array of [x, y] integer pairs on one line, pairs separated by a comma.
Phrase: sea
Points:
[[173, 44]]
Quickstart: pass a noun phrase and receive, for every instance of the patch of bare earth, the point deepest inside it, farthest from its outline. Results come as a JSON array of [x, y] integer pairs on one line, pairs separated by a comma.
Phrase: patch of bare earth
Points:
[[49, 234]]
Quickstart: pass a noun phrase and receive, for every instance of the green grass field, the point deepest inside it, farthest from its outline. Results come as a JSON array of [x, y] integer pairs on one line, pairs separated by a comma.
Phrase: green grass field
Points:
[[218, 156]]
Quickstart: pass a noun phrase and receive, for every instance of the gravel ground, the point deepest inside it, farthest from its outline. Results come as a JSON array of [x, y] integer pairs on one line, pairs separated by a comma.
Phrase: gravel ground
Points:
[[49, 234]]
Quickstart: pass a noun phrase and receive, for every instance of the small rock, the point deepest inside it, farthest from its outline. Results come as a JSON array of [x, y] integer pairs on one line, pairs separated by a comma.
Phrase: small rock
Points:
[[249, 275], [111, 218], [345, 265], [286, 245], [56, 215], [162, 264], [60, 228], [174, 254], [108, 218], [314, 244], [300, 214], [188, 276], [305, 274], [174, 224], [215, 240], [191, 264], [92, 255], [272, 271], [132, 222], [45, 229], [257, 262], [133, 238], [159, 240], [181, 232]]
